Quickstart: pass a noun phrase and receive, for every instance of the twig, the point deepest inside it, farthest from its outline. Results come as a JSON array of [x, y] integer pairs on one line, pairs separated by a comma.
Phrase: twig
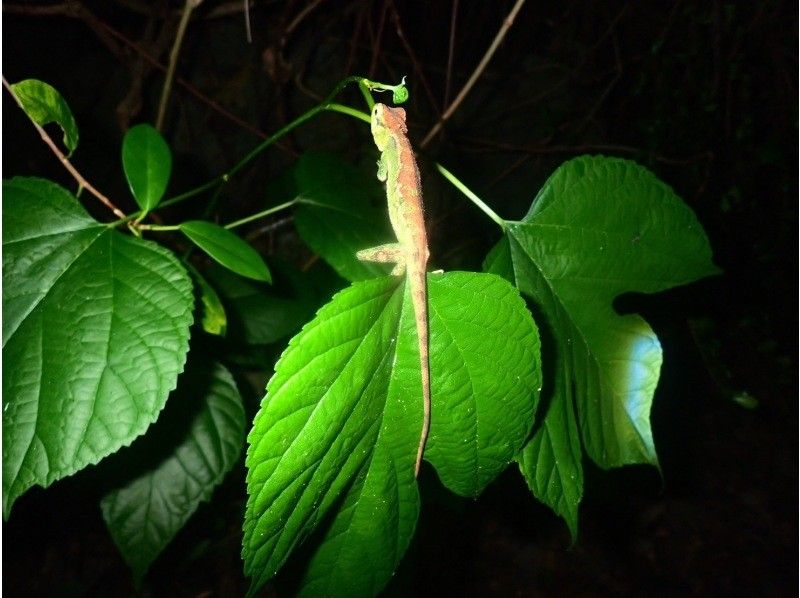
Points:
[[247, 27], [617, 76], [410, 51], [376, 46], [156, 39], [72, 10], [173, 59], [84, 14], [42, 11], [82, 182], [299, 19], [450, 51], [268, 228], [509, 20]]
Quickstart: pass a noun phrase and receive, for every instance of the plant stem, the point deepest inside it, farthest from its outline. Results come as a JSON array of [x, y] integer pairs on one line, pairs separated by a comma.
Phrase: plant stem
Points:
[[159, 227], [326, 104], [474, 198], [349, 111], [261, 214], [82, 182], [173, 60]]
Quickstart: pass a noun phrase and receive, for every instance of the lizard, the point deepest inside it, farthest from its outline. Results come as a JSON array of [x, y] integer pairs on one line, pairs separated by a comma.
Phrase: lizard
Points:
[[398, 169]]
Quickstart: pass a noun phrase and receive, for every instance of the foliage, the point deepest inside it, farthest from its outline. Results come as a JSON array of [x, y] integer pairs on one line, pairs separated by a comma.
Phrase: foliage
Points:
[[96, 334]]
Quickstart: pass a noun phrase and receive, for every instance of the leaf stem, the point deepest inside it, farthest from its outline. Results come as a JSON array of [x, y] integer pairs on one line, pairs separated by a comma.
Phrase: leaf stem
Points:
[[326, 104], [261, 214], [82, 182], [474, 198], [349, 111], [158, 227]]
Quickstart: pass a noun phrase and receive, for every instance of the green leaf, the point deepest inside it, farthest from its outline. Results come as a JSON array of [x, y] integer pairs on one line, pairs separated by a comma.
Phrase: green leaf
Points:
[[145, 514], [374, 525], [320, 421], [95, 332], [340, 424], [214, 319], [147, 162], [226, 248], [258, 315], [483, 337], [339, 214], [43, 105], [551, 462], [599, 227]]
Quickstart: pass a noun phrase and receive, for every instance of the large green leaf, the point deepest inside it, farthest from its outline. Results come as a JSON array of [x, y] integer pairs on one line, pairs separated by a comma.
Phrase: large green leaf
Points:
[[483, 337], [340, 423], [43, 105], [147, 162], [145, 514], [338, 214], [227, 249], [599, 227], [95, 332]]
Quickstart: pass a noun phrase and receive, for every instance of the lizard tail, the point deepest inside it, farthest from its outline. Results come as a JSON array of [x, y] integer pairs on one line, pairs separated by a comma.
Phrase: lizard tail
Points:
[[425, 368]]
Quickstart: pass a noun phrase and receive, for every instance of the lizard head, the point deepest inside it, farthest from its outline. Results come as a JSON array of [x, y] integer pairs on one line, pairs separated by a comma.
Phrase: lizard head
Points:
[[386, 120]]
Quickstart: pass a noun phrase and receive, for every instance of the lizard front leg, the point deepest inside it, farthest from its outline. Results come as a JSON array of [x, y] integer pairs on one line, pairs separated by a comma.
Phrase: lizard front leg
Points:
[[391, 253]]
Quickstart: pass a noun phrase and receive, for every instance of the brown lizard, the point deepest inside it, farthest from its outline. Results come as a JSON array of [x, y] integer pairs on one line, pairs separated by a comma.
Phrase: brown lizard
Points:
[[398, 169]]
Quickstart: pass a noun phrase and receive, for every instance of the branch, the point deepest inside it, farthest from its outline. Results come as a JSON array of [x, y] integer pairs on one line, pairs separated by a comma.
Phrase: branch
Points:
[[509, 20], [67, 9], [450, 51], [82, 182], [173, 59], [410, 51]]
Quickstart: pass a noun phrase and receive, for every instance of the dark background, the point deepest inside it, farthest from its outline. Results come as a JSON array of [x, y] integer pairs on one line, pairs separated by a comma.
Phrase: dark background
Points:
[[703, 93]]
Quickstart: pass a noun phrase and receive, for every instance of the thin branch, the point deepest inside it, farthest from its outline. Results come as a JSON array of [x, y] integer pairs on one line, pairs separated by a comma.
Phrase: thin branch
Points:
[[509, 20], [450, 52], [82, 182], [247, 28], [268, 228], [66, 9], [410, 51], [173, 59], [376, 46], [295, 23], [72, 10]]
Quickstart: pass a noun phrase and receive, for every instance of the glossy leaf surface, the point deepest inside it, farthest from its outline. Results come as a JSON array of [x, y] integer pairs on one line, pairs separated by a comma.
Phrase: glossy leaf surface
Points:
[[184, 464], [227, 249], [339, 426], [147, 162], [600, 227], [343, 210], [44, 105], [95, 333]]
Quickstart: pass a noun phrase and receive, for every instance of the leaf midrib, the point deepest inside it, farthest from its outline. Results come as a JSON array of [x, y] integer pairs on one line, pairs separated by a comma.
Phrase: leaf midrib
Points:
[[580, 333], [64, 270]]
